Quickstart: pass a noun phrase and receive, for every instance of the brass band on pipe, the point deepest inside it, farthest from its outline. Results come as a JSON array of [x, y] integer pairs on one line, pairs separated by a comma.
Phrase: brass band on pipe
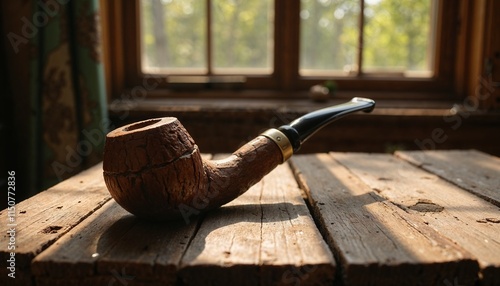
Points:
[[281, 140]]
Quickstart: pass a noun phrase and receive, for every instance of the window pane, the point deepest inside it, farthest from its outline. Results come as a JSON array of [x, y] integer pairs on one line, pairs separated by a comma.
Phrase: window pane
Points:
[[242, 36], [173, 34], [329, 36], [398, 35]]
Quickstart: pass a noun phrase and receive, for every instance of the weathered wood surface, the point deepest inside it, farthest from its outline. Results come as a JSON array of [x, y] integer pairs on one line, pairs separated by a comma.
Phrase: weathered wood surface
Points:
[[113, 245], [385, 220], [44, 218], [467, 220], [377, 242], [266, 236], [477, 172]]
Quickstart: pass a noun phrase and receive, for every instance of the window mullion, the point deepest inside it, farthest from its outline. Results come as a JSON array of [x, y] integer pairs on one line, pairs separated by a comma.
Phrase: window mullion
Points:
[[286, 43], [361, 37], [209, 38]]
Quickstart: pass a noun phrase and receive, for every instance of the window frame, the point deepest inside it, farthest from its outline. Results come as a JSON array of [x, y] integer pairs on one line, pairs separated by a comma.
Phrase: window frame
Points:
[[122, 47]]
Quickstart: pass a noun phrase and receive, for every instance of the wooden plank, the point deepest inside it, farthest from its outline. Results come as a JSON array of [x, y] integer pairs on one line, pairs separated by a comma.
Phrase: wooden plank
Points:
[[462, 217], [113, 244], [266, 236], [74, 254], [376, 242], [150, 251], [45, 217], [472, 170]]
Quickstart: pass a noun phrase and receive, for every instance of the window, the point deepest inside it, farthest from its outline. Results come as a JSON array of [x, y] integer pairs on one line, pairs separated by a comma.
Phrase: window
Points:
[[394, 37], [282, 45], [191, 37]]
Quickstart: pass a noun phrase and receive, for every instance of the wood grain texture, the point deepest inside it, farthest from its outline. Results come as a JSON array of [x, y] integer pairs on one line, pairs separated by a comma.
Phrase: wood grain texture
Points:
[[153, 166], [113, 247], [233, 175], [376, 242], [386, 221], [44, 218], [472, 170], [469, 221], [266, 236], [154, 170]]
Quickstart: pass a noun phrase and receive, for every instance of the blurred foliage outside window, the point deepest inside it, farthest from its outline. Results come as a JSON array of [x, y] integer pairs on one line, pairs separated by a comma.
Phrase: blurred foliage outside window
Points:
[[175, 36], [237, 36]]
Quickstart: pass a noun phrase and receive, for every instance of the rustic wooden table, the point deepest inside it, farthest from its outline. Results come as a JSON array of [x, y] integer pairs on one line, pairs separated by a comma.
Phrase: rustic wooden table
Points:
[[412, 218]]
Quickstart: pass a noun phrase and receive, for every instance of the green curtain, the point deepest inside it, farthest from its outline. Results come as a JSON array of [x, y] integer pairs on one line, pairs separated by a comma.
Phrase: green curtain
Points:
[[68, 117]]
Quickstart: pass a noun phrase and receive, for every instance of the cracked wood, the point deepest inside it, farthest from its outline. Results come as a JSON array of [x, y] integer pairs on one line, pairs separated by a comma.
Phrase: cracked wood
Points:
[[266, 236], [462, 217], [472, 170], [377, 242], [45, 217], [113, 244]]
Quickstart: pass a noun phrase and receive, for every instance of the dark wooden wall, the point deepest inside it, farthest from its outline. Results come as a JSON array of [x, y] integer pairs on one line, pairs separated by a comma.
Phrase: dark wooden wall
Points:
[[218, 130]]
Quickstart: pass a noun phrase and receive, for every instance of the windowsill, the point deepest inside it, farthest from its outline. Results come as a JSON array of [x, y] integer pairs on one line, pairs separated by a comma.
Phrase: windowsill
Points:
[[223, 124], [248, 102]]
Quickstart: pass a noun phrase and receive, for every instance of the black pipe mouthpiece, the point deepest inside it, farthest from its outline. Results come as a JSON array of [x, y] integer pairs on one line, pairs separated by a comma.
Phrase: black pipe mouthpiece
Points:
[[304, 127]]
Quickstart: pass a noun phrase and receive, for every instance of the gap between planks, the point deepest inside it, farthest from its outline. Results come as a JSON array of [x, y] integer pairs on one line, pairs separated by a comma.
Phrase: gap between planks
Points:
[[472, 170], [44, 218], [111, 244], [267, 234], [375, 241], [451, 211]]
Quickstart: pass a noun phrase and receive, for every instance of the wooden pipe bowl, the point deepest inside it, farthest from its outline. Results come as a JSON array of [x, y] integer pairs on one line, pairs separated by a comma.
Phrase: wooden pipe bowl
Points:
[[153, 166]]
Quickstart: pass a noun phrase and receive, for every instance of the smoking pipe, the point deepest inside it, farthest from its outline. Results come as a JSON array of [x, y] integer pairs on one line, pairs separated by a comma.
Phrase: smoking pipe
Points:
[[154, 169]]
